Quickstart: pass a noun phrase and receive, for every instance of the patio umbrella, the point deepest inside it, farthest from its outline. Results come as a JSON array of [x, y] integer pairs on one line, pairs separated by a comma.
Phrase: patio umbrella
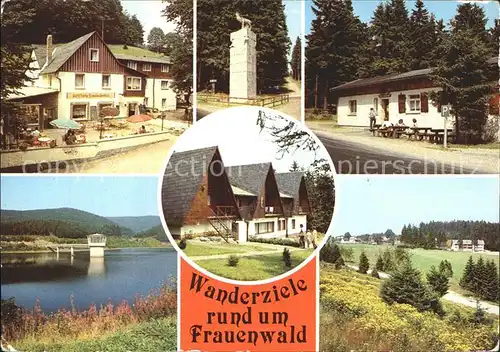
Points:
[[66, 124], [139, 118]]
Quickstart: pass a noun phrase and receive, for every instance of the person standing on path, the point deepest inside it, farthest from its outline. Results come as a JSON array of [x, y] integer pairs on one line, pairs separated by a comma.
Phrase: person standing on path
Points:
[[315, 239], [301, 236], [373, 118]]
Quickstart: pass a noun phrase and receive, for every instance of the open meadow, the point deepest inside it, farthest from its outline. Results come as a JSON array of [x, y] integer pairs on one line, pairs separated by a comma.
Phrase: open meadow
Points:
[[422, 259]]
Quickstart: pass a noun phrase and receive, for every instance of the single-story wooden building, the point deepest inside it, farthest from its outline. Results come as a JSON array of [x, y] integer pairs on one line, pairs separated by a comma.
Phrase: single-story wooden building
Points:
[[200, 196], [397, 96]]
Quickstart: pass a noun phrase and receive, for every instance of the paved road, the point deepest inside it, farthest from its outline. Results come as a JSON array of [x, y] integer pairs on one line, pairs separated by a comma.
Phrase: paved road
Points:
[[354, 158]]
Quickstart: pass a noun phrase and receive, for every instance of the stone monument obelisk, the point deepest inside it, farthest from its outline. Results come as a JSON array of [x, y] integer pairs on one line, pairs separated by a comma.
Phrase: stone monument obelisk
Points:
[[243, 63]]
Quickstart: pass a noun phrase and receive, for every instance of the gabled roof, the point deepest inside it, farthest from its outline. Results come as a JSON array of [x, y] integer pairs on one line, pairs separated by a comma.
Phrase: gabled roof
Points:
[[40, 53], [63, 52], [182, 179], [250, 178], [289, 182], [241, 192], [363, 82], [134, 53]]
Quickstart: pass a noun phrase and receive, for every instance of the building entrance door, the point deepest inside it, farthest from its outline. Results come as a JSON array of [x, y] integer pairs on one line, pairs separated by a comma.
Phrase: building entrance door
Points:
[[385, 109]]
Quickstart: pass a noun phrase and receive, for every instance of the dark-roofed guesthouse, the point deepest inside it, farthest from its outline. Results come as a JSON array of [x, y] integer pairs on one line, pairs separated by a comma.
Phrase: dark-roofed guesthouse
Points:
[[393, 97], [201, 197]]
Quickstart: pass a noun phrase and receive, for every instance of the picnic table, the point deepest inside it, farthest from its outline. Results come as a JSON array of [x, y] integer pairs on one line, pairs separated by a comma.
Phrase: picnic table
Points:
[[437, 134]]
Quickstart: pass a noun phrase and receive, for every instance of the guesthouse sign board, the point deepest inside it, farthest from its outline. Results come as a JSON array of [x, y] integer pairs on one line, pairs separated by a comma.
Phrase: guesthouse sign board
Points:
[[90, 95]]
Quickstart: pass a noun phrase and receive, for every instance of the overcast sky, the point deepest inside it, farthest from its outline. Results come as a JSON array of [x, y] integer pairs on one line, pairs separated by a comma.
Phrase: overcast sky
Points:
[[240, 141]]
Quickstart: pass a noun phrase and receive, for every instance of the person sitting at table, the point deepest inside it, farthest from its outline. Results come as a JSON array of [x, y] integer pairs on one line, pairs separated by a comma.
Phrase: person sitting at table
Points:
[[35, 133], [70, 137], [386, 124], [142, 129], [414, 123], [400, 123]]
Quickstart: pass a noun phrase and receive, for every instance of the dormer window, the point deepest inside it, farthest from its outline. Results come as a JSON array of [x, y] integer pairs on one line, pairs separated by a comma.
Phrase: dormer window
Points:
[[94, 55]]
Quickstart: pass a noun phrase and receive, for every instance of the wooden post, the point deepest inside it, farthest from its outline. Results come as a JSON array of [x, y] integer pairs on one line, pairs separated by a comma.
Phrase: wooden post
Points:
[[72, 252]]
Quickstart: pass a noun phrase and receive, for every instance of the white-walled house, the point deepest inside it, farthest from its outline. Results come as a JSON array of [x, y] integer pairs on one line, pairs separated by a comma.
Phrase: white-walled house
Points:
[[236, 202], [467, 246], [76, 80], [403, 96]]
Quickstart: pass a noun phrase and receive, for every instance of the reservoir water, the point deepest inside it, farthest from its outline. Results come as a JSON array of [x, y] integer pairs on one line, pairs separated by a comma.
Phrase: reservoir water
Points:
[[120, 275]]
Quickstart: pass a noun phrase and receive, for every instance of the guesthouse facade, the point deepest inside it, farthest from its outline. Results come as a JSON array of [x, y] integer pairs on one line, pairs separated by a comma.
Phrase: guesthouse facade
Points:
[[403, 96], [467, 246], [202, 197], [76, 80]]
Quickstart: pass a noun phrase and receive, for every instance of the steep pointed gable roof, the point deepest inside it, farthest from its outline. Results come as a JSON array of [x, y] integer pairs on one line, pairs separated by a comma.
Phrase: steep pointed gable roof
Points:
[[250, 178], [63, 52], [181, 181], [289, 182]]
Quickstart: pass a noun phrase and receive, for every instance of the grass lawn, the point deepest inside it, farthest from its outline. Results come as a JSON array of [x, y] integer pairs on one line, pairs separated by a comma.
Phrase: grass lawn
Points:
[[423, 259], [195, 249], [151, 336], [254, 268]]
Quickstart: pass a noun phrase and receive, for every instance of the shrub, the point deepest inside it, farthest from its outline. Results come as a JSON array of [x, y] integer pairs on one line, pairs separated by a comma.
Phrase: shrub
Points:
[[364, 264], [347, 253], [287, 257], [276, 241], [233, 260], [379, 265], [446, 268], [375, 273], [182, 244]]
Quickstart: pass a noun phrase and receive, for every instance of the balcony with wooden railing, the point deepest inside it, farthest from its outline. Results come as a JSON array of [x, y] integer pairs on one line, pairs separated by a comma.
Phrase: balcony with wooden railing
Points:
[[225, 211], [270, 211]]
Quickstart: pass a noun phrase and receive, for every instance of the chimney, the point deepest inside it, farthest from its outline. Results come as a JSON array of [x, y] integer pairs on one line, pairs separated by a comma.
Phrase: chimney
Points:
[[50, 48]]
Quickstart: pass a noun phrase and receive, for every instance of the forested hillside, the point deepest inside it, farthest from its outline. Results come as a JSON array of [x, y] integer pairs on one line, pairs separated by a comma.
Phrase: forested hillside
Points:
[[61, 222], [136, 223]]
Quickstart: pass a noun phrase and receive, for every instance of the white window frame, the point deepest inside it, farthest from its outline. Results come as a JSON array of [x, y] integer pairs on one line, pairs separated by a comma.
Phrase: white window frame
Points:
[[131, 79], [146, 101], [164, 103], [90, 54], [355, 105], [166, 85], [165, 68], [148, 65], [86, 111], [375, 105], [109, 82], [414, 98], [132, 65], [83, 80]]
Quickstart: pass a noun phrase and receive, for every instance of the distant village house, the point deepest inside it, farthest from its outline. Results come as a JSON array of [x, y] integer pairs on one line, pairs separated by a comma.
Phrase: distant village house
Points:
[[467, 246]]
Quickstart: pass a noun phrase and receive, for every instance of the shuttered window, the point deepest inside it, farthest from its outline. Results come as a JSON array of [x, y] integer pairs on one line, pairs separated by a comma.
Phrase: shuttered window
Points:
[[424, 102], [402, 103]]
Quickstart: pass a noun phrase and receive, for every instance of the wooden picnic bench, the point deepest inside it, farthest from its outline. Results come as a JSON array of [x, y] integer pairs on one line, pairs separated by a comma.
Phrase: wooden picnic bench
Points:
[[436, 135], [375, 128]]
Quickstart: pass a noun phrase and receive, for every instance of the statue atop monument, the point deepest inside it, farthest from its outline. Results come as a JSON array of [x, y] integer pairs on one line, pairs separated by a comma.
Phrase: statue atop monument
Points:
[[245, 22]]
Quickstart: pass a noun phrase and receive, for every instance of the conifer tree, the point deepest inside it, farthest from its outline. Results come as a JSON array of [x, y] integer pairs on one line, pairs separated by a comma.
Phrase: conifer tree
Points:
[[491, 285], [446, 268], [463, 73], [479, 278], [406, 286], [364, 264], [421, 37], [438, 281], [468, 274], [296, 59], [379, 265], [332, 47]]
